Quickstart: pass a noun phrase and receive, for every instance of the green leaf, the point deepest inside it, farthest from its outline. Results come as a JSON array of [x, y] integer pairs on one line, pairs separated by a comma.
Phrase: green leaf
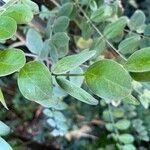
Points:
[[8, 27], [61, 24], [141, 76], [2, 100], [60, 39], [126, 138], [21, 13], [34, 41], [144, 101], [48, 112], [129, 45], [4, 129], [11, 60], [86, 30], [33, 6], [93, 5], [51, 122], [139, 61], [137, 20], [69, 63], [76, 91], [104, 78], [128, 147], [131, 100], [118, 113], [102, 14], [45, 50], [123, 124], [59, 116], [109, 127], [114, 29], [53, 52], [66, 9], [35, 83], [4, 145], [60, 43]]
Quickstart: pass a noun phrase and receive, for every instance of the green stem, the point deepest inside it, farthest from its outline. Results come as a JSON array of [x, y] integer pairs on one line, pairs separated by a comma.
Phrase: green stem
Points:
[[67, 75]]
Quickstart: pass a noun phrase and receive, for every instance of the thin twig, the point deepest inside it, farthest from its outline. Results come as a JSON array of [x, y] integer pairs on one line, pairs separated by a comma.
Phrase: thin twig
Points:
[[21, 36], [56, 3], [99, 32], [30, 55], [17, 44], [143, 36]]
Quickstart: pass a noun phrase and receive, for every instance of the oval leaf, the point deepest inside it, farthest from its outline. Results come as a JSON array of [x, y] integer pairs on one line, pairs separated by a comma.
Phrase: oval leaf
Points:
[[137, 20], [35, 82], [71, 62], [101, 14], [34, 41], [21, 13], [123, 124], [8, 27], [126, 138], [114, 29], [61, 24], [102, 79], [128, 147], [129, 45], [11, 60], [66, 9], [131, 100], [76, 91], [139, 61], [60, 39]]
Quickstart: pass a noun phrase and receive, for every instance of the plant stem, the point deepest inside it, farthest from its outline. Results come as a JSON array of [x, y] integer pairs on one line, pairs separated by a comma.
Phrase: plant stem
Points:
[[56, 3], [99, 32], [67, 75], [30, 55]]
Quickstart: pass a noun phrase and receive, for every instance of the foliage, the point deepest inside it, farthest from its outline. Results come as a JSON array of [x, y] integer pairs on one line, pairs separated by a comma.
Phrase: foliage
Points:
[[87, 51]]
